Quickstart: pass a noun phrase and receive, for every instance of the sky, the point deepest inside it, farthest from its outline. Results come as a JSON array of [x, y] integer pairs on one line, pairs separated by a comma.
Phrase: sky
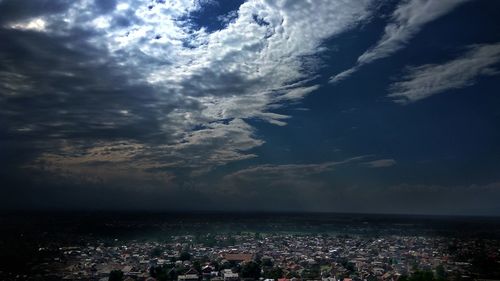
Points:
[[366, 106]]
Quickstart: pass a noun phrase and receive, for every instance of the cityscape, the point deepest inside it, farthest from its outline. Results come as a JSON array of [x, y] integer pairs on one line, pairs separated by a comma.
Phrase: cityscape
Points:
[[250, 140], [278, 257], [334, 247]]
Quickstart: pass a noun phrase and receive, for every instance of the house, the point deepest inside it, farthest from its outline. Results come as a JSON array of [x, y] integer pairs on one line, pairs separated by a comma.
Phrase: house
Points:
[[190, 275], [228, 275], [208, 271]]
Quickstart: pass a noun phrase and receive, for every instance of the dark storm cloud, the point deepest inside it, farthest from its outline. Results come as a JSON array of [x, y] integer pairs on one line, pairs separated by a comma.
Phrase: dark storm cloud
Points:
[[11, 10], [217, 81], [61, 94], [52, 90]]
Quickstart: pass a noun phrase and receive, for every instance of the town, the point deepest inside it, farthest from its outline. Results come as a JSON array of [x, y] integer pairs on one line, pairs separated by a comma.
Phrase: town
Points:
[[272, 256]]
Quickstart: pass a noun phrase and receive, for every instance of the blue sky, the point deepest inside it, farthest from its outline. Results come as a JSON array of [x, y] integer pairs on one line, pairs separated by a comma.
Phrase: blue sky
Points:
[[343, 106]]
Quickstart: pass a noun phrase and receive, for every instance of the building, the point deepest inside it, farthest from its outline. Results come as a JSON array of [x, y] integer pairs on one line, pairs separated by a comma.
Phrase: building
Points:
[[238, 258], [228, 275]]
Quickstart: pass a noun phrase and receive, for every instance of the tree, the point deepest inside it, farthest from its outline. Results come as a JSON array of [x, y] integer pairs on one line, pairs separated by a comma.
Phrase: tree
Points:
[[156, 252], [115, 275], [274, 273], [292, 274], [266, 261], [185, 256], [216, 265], [421, 276], [163, 273], [257, 236], [311, 273], [403, 278], [172, 274], [440, 273], [250, 270], [197, 266]]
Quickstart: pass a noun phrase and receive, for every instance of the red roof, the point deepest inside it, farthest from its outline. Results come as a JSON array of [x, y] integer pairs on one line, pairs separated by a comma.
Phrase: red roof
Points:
[[238, 257]]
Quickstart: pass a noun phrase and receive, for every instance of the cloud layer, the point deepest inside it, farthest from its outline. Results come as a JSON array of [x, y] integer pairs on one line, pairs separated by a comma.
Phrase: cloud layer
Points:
[[407, 20], [146, 74], [426, 80], [186, 104]]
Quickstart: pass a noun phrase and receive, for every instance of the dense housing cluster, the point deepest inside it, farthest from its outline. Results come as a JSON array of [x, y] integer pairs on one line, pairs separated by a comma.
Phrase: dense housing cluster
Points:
[[273, 256]]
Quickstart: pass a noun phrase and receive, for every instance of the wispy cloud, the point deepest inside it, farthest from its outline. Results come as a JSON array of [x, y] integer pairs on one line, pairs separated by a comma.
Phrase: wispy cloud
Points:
[[407, 20], [287, 171], [381, 163], [424, 81]]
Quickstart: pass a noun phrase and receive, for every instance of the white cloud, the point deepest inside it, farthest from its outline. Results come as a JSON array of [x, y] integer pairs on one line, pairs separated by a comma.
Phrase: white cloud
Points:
[[344, 74], [424, 81], [122, 6], [407, 20], [36, 24], [216, 80]]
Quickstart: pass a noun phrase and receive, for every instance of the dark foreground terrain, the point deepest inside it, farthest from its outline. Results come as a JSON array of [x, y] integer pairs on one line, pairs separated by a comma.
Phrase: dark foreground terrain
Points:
[[237, 246]]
